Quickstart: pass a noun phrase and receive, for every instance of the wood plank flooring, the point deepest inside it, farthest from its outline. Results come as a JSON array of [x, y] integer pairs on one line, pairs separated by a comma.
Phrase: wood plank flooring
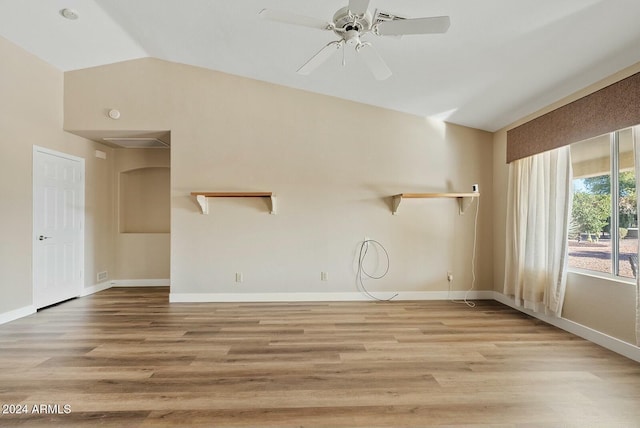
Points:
[[125, 357]]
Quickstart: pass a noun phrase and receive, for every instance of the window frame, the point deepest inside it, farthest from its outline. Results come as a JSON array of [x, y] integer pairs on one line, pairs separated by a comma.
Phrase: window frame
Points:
[[614, 174]]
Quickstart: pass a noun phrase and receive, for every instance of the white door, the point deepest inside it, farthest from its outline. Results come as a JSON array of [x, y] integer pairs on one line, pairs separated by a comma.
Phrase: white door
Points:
[[58, 217]]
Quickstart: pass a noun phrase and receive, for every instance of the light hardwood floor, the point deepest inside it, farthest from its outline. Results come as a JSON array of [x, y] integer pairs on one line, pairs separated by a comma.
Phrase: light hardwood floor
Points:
[[125, 357]]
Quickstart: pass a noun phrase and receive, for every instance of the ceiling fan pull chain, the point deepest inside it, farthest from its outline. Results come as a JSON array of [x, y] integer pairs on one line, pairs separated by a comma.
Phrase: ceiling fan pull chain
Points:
[[344, 61]]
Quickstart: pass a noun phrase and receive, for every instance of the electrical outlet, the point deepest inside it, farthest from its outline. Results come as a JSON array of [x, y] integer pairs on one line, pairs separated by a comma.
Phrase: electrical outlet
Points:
[[324, 276], [239, 277], [450, 276]]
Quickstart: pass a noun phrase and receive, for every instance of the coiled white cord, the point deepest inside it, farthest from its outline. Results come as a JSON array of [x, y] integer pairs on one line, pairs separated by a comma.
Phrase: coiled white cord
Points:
[[364, 249]]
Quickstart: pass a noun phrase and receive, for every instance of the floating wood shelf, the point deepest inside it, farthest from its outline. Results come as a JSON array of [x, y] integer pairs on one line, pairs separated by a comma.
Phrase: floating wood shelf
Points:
[[464, 199], [201, 197]]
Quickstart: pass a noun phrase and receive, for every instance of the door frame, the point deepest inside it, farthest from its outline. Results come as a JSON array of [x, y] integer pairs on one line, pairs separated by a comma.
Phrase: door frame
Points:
[[34, 232]]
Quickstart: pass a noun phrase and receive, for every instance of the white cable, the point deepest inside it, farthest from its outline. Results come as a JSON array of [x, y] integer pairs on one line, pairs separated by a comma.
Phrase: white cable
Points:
[[364, 249], [473, 261]]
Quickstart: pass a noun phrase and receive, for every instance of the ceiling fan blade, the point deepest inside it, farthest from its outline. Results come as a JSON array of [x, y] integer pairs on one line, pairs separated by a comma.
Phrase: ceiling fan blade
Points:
[[374, 61], [323, 55], [400, 27], [358, 7], [294, 19]]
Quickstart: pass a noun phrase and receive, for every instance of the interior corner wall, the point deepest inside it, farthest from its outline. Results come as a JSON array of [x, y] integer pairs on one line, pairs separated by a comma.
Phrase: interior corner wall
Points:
[[141, 255], [604, 305], [333, 164], [31, 113]]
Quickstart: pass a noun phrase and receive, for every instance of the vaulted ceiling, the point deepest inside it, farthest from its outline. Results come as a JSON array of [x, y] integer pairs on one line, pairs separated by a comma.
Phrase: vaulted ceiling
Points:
[[499, 60]]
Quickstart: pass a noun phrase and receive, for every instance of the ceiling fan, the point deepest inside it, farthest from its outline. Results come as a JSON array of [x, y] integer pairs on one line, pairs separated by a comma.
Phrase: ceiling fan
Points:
[[351, 23]]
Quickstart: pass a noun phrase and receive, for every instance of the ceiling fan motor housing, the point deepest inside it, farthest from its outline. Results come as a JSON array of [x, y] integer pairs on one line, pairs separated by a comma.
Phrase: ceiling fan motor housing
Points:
[[346, 24]]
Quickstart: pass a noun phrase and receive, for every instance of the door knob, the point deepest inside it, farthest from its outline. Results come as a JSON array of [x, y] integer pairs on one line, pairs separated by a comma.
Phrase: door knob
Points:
[[42, 237]]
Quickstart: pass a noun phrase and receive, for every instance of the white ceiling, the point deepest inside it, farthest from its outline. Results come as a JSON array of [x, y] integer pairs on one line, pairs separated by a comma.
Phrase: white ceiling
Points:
[[500, 59]]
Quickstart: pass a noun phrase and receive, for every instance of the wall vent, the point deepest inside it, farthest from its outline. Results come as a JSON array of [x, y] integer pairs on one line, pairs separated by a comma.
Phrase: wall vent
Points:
[[102, 276], [137, 142]]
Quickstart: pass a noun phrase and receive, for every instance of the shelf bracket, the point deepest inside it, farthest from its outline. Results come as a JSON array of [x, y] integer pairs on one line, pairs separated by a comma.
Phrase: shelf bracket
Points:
[[203, 198], [272, 204], [204, 204], [464, 199], [464, 202], [395, 203]]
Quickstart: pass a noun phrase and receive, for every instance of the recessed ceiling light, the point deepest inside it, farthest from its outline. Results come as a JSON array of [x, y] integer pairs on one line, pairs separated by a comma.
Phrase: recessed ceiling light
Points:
[[69, 13]]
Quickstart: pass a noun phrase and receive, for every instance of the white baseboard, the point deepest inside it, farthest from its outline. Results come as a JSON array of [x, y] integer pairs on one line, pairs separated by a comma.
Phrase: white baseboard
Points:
[[95, 288], [325, 297], [17, 313], [616, 345], [124, 283], [445, 295], [141, 282]]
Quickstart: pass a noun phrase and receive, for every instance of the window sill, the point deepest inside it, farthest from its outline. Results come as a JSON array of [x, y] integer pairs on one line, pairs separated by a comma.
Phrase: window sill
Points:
[[604, 276]]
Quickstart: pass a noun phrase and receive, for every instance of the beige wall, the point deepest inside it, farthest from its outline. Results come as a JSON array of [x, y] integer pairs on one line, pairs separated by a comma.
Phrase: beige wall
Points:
[[144, 202], [332, 163], [31, 114], [604, 305], [601, 304], [143, 255]]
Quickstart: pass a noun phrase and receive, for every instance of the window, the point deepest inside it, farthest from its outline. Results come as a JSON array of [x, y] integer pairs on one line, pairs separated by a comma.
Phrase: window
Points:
[[603, 231]]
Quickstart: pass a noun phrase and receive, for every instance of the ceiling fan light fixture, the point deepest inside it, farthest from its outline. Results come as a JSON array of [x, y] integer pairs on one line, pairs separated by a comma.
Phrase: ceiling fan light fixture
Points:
[[352, 37]]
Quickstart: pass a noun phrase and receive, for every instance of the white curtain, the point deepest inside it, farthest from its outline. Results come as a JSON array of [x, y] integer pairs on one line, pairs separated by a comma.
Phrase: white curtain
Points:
[[539, 205]]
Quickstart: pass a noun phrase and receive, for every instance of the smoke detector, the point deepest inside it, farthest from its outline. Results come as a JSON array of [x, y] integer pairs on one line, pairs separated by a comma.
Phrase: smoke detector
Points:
[[69, 14]]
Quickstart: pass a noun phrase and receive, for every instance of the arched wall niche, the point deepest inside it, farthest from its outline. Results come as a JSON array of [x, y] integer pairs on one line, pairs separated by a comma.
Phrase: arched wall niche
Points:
[[144, 200]]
